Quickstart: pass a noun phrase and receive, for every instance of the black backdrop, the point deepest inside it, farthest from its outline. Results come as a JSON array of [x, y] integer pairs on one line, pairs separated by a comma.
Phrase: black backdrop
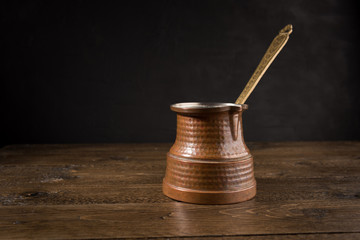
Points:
[[107, 71]]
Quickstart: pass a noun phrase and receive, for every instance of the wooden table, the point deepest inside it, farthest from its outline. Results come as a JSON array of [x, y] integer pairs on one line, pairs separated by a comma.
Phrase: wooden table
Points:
[[306, 190]]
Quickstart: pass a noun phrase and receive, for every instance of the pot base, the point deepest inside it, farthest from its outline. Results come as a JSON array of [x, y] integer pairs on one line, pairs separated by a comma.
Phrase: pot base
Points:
[[208, 197]]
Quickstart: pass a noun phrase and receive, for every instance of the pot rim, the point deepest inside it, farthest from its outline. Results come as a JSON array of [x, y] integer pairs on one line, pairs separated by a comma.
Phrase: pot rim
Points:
[[206, 107]]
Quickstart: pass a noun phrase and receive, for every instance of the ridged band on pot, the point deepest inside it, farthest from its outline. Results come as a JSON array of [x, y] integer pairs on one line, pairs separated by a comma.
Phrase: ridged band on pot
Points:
[[209, 162]]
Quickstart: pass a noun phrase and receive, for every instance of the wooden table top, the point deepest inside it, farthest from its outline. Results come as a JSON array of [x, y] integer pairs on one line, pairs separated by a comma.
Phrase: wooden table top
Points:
[[306, 190]]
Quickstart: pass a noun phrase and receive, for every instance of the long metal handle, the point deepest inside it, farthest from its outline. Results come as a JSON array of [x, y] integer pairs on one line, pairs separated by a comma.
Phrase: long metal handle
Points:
[[275, 47]]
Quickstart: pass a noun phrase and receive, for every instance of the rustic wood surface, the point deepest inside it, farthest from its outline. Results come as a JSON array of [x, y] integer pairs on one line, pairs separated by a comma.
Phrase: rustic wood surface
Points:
[[306, 190]]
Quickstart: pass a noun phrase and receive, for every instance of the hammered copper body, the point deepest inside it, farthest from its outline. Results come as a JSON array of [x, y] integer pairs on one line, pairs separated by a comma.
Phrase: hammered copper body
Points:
[[209, 162]]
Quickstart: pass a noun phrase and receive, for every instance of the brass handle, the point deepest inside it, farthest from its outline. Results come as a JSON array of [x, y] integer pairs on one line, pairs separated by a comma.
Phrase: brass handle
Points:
[[275, 47]]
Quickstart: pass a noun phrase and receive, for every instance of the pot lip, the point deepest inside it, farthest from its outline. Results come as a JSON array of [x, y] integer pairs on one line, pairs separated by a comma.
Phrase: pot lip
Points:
[[206, 107]]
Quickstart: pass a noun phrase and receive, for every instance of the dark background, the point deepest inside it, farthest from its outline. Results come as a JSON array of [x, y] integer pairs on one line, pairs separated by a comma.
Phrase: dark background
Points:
[[107, 71]]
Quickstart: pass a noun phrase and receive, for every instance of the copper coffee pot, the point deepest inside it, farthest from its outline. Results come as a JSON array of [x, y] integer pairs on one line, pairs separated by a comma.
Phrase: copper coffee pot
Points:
[[209, 162]]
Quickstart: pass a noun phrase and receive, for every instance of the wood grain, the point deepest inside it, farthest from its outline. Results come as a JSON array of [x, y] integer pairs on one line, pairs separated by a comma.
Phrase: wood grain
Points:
[[306, 190]]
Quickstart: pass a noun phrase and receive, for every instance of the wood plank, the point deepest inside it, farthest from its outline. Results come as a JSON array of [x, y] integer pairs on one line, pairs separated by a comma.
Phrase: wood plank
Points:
[[305, 190], [128, 173], [179, 219], [76, 192]]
